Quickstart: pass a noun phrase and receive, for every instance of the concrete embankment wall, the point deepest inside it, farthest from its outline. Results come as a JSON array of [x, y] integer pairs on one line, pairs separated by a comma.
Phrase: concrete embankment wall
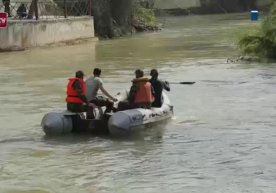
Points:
[[21, 34], [184, 4], [174, 4], [263, 2]]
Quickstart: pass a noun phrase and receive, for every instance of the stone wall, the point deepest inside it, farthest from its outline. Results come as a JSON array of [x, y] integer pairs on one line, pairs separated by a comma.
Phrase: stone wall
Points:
[[21, 34]]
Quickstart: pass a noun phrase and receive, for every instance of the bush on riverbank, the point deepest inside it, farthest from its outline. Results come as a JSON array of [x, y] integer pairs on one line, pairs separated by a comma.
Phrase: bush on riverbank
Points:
[[143, 19], [114, 18], [262, 43]]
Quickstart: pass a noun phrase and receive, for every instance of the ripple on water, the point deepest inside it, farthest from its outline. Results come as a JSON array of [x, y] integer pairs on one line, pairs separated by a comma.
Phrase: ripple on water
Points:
[[28, 191]]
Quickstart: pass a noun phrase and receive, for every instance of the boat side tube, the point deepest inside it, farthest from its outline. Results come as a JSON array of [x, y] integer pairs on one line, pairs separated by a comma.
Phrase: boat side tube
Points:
[[124, 122], [58, 123]]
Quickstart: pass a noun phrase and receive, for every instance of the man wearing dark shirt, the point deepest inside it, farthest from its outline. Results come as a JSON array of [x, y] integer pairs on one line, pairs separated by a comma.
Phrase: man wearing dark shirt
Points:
[[158, 87]]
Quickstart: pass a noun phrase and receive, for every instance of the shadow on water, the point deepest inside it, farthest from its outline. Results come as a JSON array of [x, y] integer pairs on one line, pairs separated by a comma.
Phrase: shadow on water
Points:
[[152, 131]]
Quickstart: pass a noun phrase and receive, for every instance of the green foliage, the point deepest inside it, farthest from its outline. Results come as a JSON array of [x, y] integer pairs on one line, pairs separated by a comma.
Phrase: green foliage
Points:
[[250, 45], [262, 44], [144, 15]]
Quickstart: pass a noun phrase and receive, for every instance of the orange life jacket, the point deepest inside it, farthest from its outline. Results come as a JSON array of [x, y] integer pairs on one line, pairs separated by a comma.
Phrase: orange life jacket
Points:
[[72, 95], [144, 92]]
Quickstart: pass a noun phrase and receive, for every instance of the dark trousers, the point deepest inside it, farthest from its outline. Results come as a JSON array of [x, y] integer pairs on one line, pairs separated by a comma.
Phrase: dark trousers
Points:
[[157, 103], [103, 102], [79, 107], [125, 105], [76, 107]]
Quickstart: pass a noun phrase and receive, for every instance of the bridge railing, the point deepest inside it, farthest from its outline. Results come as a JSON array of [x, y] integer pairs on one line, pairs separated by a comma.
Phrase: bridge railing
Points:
[[46, 9]]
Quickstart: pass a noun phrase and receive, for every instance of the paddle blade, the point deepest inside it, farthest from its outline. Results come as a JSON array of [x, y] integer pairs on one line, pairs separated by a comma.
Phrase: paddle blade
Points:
[[182, 83], [186, 82]]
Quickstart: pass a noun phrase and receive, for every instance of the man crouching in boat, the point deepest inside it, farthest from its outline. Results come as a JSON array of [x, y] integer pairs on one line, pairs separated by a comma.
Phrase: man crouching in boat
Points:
[[140, 95], [141, 91], [76, 100]]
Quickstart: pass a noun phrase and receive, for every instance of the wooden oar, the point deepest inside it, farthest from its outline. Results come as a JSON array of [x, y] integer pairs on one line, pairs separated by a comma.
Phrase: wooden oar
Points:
[[182, 82], [190, 83]]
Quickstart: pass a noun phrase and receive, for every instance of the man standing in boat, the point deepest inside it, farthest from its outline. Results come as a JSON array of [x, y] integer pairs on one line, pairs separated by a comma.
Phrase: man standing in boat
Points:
[[95, 83], [158, 87], [141, 92], [76, 100]]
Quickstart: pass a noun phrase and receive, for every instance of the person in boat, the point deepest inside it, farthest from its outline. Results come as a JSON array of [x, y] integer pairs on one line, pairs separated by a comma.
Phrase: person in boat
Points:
[[76, 99], [141, 93], [158, 87], [94, 84]]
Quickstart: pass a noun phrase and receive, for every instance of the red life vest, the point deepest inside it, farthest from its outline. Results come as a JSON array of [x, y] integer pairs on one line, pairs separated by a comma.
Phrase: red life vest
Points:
[[72, 95], [144, 92]]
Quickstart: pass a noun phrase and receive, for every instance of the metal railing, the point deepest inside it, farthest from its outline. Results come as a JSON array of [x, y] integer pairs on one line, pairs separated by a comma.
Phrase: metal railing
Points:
[[46, 9]]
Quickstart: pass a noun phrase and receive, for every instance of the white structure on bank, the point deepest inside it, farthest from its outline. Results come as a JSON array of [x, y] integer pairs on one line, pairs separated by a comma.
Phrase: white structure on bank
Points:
[[171, 4], [184, 4]]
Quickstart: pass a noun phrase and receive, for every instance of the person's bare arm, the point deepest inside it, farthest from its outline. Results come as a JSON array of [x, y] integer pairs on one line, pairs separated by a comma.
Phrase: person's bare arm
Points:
[[107, 94], [166, 86]]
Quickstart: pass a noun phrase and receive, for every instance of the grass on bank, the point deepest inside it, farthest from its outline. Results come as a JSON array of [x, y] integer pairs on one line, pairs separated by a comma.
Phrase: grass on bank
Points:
[[262, 41]]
